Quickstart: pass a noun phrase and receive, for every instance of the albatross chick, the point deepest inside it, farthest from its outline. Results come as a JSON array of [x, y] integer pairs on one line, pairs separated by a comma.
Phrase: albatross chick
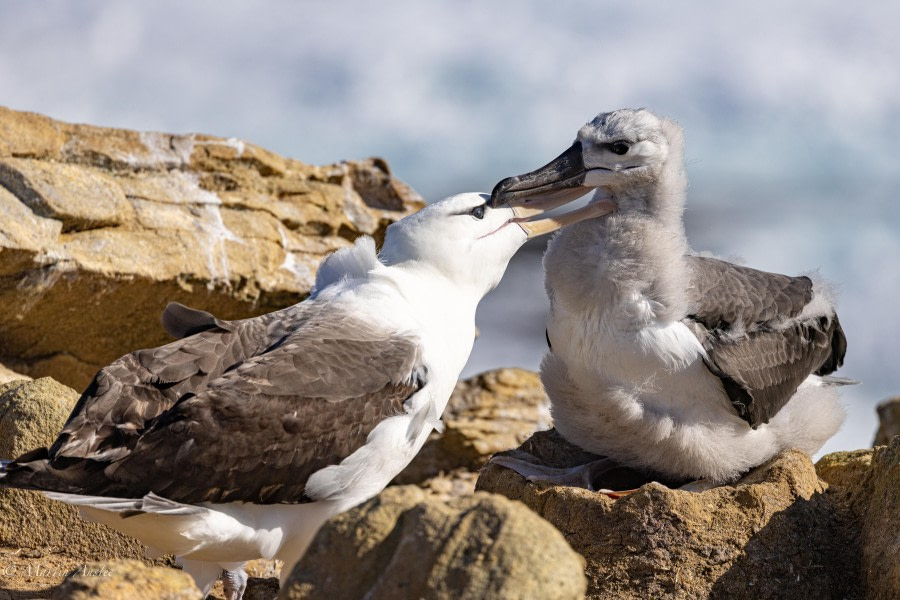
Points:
[[683, 366]]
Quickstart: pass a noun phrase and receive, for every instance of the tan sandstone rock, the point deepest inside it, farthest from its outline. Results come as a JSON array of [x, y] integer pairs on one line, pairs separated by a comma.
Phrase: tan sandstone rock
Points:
[[31, 414], [773, 534], [402, 545], [127, 580], [888, 421], [100, 228], [865, 491], [7, 375]]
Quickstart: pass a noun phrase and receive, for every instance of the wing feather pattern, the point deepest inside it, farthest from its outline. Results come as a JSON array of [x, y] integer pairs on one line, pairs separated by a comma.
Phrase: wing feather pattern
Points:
[[127, 394], [758, 340], [253, 430]]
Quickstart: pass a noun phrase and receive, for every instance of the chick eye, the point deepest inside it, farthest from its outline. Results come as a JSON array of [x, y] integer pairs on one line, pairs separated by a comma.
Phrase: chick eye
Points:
[[478, 212], [619, 148]]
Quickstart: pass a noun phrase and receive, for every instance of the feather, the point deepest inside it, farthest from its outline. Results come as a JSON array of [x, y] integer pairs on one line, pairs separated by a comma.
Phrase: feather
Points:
[[275, 397]]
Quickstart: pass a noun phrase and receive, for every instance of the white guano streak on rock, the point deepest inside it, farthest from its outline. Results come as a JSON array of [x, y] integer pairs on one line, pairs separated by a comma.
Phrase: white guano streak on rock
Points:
[[212, 227], [206, 206], [163, 150], [290, 263], [166, 150]]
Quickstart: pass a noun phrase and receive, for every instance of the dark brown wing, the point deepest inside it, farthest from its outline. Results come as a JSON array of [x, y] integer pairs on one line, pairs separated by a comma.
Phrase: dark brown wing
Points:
[[259, 431], [757, 343], [125, 395], [724, 296]]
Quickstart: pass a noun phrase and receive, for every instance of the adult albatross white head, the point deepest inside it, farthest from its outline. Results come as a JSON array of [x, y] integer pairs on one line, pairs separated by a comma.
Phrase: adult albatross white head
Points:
[[239, 440], [685, 366]]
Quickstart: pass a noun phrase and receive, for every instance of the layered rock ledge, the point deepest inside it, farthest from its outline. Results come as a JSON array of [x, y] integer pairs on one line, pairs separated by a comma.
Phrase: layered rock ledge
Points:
[[100, 228]]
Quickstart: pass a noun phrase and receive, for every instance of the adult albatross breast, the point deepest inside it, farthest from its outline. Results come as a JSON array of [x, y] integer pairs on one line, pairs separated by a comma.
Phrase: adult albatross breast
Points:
[[239, 440], [663, 360]]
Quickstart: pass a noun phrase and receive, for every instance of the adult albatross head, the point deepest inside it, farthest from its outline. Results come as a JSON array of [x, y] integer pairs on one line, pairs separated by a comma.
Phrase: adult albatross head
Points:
[[632, 157], [454, 237]]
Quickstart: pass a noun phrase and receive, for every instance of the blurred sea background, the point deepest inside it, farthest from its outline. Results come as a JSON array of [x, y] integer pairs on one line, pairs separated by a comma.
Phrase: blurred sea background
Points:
[[791, 112]]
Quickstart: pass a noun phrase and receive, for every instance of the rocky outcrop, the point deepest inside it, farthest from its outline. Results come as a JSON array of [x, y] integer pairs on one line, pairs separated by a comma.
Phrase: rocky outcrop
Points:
[[7, 375], [486, 414], [31, 414], [865, 491], [773, 534], [888, 421], [403, 545], [100, 228], [126, 580]]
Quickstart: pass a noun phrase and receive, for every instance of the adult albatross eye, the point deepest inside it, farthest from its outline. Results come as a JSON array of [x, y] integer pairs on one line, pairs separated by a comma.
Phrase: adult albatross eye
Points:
[[478, 211], [619, 148]]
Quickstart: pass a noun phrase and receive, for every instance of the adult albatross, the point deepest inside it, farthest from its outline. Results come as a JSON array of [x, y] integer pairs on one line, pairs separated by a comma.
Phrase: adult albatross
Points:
[[239, 440], [682, 365]]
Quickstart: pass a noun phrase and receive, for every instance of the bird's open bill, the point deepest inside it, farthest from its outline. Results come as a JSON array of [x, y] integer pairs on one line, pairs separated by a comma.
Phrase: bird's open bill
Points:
[[525, 212], [558, 182]]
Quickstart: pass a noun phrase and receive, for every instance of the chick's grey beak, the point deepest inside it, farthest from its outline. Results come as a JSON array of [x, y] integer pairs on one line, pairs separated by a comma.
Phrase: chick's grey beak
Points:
[[560, 181]]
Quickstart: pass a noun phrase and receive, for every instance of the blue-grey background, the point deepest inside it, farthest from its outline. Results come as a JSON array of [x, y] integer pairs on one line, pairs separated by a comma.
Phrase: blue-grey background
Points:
[[791, 112]]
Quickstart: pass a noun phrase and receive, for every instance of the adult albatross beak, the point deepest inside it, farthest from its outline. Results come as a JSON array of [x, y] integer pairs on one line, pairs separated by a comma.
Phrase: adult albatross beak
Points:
[[558, 182]]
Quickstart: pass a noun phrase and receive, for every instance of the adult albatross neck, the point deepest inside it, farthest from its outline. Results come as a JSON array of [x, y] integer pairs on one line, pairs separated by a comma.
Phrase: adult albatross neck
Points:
[[681, 365]]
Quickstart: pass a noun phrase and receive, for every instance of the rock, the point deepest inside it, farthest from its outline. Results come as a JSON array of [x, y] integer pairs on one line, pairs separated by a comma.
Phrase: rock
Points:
[[261, 589], [865, 489], [262, 568], [127, 580], [845, 470], [402, 545], [487, 413], [31, 414], [773, 534], [449, 485], [888, 421], [100, 228], [7, 375]]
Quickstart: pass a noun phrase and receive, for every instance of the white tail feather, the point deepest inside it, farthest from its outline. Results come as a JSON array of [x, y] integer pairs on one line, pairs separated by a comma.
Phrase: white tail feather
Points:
[[151, 503], [832, 380]]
